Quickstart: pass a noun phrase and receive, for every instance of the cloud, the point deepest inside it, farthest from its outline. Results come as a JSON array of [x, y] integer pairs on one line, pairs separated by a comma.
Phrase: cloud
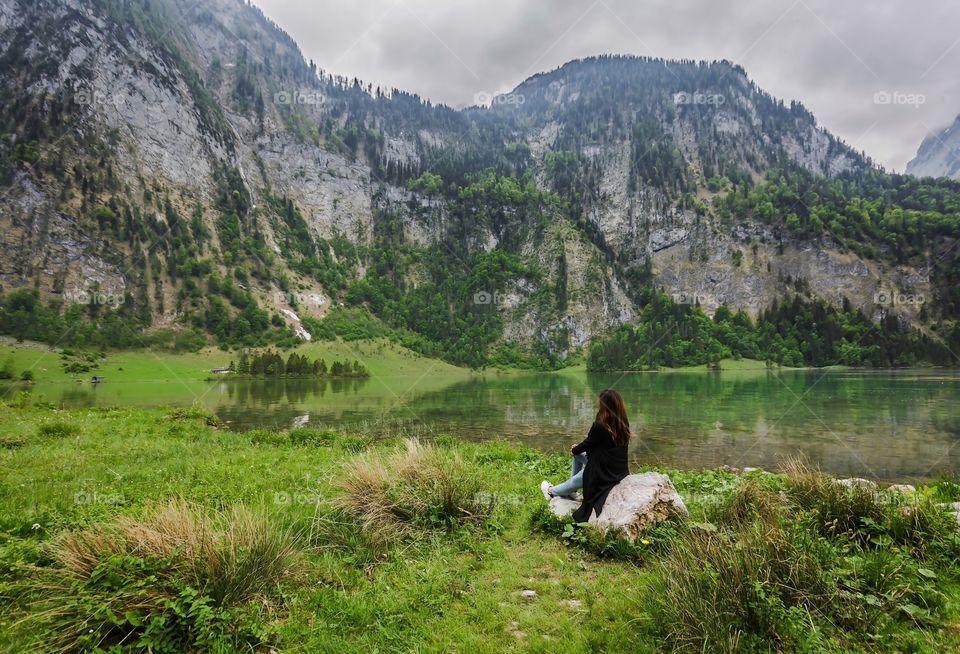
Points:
[[835, 57]]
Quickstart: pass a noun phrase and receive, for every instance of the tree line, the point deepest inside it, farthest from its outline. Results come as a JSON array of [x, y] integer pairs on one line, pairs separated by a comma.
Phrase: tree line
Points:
[[272, 364]]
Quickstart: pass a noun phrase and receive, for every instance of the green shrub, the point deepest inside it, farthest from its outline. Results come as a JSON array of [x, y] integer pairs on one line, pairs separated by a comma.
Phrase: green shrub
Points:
[[58, 429], [760, 589], [311, 436], [267, 437], [603, 544], [12, 442], [194, 412]]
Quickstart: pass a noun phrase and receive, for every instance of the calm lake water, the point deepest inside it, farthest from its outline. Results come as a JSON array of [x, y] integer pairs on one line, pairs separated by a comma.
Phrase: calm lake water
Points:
[[889, 425]]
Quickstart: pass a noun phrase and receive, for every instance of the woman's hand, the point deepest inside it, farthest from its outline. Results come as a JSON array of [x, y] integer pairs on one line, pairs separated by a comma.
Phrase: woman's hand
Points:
[[573, 447]]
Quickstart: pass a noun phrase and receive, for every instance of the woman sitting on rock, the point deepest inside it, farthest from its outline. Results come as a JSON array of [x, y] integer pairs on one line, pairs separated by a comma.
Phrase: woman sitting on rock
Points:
[[600, 461]]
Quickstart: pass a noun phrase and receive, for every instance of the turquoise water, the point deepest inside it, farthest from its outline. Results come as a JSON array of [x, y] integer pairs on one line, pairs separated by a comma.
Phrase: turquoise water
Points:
[[890, 425]]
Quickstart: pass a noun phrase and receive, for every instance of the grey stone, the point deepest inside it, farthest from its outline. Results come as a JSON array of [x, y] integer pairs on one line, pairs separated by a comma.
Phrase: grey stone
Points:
[[637, 503], [858, 483], [900, 488]]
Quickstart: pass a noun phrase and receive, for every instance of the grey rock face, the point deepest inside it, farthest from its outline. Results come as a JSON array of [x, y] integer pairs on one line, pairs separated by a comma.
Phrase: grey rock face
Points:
[[132, 90], [939, 154]]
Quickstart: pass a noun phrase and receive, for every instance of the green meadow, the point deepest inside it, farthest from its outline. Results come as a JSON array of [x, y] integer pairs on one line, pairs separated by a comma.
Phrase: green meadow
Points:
[[131, 529], [156, 377]]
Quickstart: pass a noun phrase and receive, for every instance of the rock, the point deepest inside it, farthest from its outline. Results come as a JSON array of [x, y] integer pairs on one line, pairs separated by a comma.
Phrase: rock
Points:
[[528, 594], [563, 506], [857, 482], [748, 470], [900, 488], [574, 604], [637, 503]]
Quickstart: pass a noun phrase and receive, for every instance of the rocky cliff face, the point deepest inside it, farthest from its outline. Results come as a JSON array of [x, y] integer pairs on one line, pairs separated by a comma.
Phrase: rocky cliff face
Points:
[[117, 105], [939, 154]]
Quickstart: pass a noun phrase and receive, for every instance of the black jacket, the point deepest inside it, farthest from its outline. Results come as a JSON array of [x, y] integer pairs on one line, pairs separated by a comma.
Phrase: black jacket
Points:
[[606, 466]]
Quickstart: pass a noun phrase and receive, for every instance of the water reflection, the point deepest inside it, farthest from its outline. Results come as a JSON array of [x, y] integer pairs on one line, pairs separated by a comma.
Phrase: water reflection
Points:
[[891, 425]]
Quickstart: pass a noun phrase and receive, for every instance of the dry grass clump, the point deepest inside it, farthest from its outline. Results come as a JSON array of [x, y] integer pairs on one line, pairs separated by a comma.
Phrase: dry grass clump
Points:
[[177, 579], [231, 556], [419, 484]]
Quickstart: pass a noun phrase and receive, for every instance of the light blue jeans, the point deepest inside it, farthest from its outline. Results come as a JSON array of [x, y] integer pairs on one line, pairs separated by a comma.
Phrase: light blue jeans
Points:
[[576, 477]]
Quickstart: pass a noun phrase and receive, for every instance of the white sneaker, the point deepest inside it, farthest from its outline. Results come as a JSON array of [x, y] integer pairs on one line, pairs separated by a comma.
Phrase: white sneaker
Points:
[[546, 488]]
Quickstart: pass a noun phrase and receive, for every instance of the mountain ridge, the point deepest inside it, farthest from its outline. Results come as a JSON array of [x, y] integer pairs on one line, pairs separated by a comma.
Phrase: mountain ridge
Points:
[[205, 172], [938, 154]]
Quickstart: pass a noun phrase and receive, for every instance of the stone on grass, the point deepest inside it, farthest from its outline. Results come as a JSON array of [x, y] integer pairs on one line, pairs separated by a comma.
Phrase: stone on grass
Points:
[[634, 505], [900, 488], [528, 594], [857, 482]]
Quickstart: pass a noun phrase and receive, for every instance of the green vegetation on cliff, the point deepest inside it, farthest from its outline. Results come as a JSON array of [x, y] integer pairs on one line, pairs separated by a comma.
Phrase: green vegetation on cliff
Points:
[[797, 332]]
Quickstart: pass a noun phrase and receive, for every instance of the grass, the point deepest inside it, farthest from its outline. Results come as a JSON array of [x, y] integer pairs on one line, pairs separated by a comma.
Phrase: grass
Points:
[[382, 357], [419, 484], [160, 531], [176, 577]]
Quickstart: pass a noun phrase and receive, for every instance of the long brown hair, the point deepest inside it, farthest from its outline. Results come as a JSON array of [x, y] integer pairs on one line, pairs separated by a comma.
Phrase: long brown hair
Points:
[[612, 414]]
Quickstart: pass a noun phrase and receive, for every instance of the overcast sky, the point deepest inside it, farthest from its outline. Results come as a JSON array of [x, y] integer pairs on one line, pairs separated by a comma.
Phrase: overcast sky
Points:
[[833, 55]]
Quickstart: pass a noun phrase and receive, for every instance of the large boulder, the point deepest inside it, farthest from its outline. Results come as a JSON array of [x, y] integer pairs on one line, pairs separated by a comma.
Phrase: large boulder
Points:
[[634, 505]]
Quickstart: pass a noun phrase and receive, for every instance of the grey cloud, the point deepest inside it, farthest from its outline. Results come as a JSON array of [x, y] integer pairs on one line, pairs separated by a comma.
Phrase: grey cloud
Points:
[[832, 55]]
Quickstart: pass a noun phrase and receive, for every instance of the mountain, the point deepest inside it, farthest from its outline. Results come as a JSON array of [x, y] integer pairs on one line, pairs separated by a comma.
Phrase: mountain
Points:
[[177, 170], [939, 154]]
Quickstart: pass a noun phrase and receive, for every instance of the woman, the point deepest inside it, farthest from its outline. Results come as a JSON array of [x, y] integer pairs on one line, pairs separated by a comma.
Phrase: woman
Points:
[[600, 461]]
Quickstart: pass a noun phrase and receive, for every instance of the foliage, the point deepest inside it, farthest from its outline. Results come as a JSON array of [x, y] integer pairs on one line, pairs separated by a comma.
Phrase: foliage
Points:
[[796, 332], [271, 364], [174, 580]]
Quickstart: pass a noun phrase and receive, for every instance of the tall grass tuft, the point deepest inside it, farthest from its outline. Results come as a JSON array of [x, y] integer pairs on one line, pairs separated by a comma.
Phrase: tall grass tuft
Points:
[[835, 508], [417, 485], [178, 579], [752, 500], [759, 588]]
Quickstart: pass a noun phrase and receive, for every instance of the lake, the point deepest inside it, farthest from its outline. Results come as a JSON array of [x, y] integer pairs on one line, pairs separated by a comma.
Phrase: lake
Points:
[[891, 425]]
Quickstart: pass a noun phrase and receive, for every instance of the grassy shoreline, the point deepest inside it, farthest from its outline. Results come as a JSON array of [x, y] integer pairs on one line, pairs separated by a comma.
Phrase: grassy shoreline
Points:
[[384, 359], [798, 565]]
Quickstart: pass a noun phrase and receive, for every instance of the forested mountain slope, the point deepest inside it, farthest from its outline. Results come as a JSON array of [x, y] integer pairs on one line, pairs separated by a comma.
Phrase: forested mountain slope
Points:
[[175, 171]]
